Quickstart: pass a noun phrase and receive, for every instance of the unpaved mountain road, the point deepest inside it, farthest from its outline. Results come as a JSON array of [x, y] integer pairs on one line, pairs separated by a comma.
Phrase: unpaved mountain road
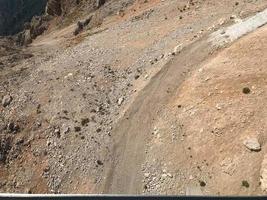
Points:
[[134, 130], [136, 127]]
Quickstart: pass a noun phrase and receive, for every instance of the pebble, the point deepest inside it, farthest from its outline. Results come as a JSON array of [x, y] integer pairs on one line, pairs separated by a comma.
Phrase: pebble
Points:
[[12, 127], [252, 144], [218, 106], [6, 100], [136, 76], [65, 129], [57, 131], [146, 175], [177, 49], [164, 175], [120, 101]]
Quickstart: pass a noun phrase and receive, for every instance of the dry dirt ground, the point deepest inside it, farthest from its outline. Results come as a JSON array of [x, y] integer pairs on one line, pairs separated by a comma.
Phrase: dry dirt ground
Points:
[[115, 110]]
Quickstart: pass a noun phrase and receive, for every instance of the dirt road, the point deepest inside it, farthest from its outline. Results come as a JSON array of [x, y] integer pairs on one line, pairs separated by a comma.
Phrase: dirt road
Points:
[[136, 127]]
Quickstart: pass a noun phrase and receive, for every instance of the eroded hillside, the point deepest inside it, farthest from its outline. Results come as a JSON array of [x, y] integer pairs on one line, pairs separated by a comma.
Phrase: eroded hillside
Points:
[[135, 102]]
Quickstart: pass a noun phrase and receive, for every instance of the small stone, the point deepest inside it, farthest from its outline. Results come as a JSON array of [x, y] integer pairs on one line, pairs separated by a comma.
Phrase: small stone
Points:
[[65, 129], [233, 17], [46, 169], [77, 129], [12, 127], [38, 110], [202, 183], [99, 162], [6, 100], [136, 76], [68, 76], [245, 184], [120, 101], [48, 143], [85, 121], [19, 141], [164, 175], [218, 106], [246, 90], [147, 175], [252, 144], [57, 132]]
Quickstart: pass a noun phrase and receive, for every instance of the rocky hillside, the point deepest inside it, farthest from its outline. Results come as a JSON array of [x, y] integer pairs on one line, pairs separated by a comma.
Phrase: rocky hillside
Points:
[[142, 100], [14, 13]]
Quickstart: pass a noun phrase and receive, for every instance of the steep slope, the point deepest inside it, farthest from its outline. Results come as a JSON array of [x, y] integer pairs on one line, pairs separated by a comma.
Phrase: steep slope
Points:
[[80, 115]]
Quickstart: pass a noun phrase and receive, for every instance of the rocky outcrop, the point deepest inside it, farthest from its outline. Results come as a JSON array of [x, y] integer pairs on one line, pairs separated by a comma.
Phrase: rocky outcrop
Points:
[[36, 27]]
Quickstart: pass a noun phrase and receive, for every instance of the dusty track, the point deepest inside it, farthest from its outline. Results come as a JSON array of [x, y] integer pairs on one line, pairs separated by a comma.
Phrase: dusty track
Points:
[[136, 126]]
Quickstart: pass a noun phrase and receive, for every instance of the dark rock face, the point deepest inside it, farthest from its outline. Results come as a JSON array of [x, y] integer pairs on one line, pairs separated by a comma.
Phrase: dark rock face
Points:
[[27, 19], [36, 27], [14, 13]]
